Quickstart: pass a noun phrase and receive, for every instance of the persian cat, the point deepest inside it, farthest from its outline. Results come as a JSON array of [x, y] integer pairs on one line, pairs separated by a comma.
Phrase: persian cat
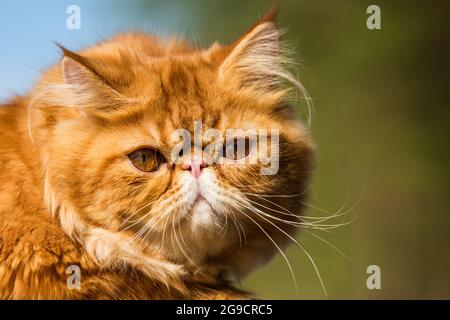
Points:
[[93, 202]]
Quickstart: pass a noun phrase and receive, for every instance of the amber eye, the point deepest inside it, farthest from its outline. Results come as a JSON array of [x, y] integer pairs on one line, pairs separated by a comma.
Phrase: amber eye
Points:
[[237, 148], [146, 160]]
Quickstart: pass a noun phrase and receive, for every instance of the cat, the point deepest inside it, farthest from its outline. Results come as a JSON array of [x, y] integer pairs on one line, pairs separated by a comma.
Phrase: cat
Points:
[[88, 181]]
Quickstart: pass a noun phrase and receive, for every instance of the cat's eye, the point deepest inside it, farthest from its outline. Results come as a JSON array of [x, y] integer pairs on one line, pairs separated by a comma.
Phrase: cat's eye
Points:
[[237, 148], [146, 160]]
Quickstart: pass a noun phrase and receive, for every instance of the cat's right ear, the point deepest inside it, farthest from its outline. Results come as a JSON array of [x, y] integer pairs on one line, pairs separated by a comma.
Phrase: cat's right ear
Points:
[[83, 86]]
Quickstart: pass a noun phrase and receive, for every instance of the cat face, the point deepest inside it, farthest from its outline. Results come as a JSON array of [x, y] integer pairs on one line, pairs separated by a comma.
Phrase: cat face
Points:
[[110, 121]]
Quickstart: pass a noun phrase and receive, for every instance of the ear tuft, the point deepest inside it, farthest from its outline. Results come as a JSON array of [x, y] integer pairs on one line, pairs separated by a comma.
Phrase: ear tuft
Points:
[[82, 86], [77, 70], [77, 58], [87, 89], [270, 16], [255, 60], [76, 74]]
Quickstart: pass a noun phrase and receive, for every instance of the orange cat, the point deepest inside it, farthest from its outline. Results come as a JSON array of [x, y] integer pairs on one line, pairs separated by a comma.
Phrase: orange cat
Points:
[[89, 181]]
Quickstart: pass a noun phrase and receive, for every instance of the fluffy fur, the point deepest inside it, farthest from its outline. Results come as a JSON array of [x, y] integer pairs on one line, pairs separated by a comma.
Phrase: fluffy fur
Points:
[[69, 195]]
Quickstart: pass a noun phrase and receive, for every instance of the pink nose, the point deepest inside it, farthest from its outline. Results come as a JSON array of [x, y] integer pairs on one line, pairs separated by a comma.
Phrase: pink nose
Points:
[[195, 166]]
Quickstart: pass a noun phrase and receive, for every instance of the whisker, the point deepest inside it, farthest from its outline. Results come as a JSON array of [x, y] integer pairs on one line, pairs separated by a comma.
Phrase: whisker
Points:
[[163, 234], [294, 223], [136, 212], [278, 248], [278, 211], [304, 218], [181, 234], [137, 220], [332, 246], [294, 195], [339, 214], [180, 246], [304, 250], [238, 230], [295, 241]]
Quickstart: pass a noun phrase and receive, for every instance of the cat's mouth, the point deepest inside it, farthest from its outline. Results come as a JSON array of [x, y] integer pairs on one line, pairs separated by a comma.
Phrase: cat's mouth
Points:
[[199, 198], [201, 204], [201, 212]]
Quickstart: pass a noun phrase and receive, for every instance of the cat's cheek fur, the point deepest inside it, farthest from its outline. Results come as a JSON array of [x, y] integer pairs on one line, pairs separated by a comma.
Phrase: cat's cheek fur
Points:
[[106, 248]]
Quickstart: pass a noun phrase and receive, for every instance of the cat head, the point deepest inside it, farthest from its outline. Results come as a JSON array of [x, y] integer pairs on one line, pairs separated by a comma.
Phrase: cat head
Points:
[[110, 121]]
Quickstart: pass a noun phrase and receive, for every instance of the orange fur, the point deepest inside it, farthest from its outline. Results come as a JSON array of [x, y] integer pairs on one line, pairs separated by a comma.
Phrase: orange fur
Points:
[[70, 197]]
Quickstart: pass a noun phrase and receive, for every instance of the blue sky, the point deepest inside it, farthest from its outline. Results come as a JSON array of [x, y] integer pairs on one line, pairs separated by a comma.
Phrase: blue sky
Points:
[[28, 29]]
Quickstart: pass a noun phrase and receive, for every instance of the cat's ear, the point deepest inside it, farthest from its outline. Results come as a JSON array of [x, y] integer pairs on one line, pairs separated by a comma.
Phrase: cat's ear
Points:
[[83, 86], [255, 60]]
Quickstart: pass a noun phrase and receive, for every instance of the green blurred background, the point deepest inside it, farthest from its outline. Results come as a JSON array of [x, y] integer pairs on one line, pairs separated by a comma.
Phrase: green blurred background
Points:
[[380, 122]]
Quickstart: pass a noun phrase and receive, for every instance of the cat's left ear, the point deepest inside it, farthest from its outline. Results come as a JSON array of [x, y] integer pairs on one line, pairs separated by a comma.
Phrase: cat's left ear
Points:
[[83, 86], [255, 60]]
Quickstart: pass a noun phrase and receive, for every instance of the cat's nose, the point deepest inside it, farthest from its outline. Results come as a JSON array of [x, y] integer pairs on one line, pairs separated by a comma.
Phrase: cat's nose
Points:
[[194, 165]]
